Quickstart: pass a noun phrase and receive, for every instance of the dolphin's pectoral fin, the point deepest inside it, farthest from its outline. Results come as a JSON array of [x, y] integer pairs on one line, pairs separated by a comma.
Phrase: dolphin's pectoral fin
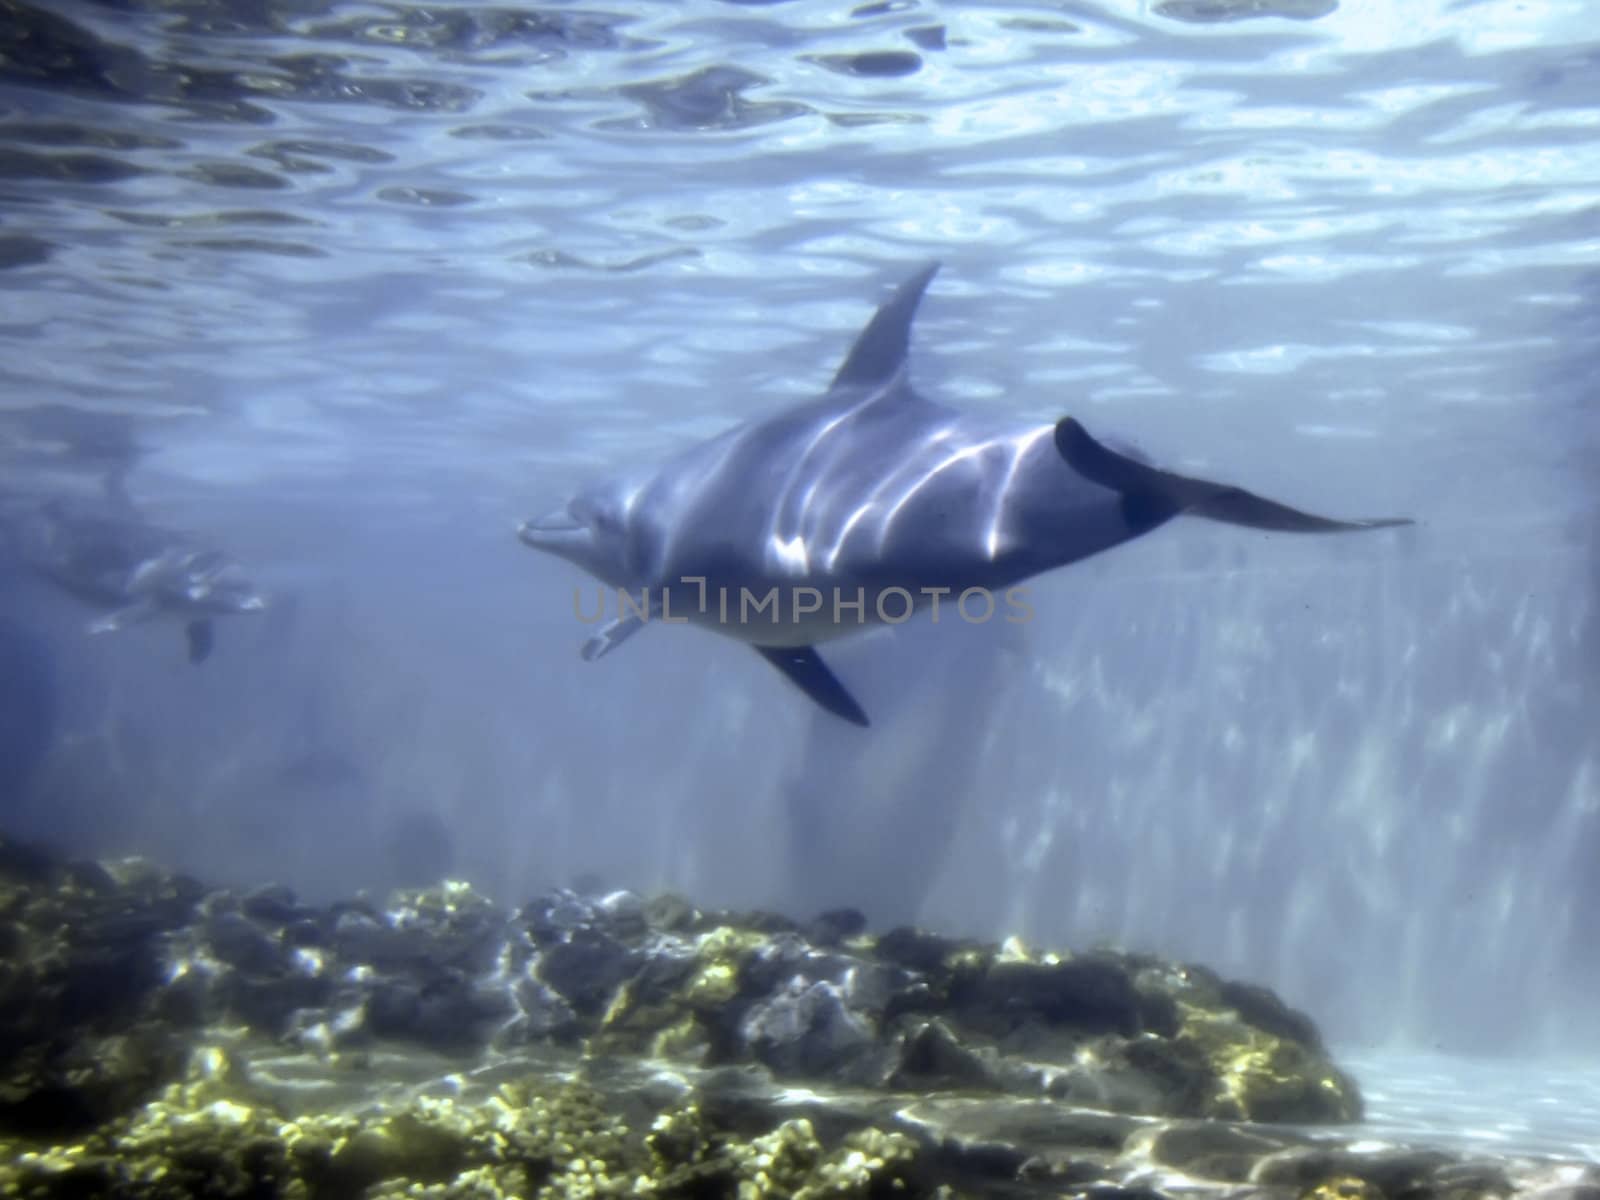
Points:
[[201, 638], [806, 670], [611, 635], [880, 349], [122, 618], [1151, 496]]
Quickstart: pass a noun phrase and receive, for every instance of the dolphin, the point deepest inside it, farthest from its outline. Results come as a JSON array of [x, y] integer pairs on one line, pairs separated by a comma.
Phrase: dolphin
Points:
[[866, 504], [134, 571]]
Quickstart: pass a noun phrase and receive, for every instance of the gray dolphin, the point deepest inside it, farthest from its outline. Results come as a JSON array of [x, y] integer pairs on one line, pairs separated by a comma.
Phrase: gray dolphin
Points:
[[866, 503], [133, 571]]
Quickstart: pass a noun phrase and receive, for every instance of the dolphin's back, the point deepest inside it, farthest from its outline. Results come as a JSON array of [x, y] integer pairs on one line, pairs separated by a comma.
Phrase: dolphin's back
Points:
[[882, 490]]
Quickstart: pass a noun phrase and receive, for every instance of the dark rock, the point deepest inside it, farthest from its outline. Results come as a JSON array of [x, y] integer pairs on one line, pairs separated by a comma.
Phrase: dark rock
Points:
[[1264, 1010], [661, 976], [1040, 1124], [1210, 1149], [233, 938], [914, 948], [269, 1002], [778, 960], [360, 937], [541, 1014], [669, 913], [1177, 1073], [1113, 1191], [557, 916], [807, 1029], [931, 1056], [626, 913], [61, 1090], [1093, 996], [1393, 1172], [1473, 1181], [835, 925], [760, 922], [1158, 1013], [448, 926], [273, 905], [450, 1013], [305, 933], [25, 863], [870, 987], [586, 971], [101, 951]]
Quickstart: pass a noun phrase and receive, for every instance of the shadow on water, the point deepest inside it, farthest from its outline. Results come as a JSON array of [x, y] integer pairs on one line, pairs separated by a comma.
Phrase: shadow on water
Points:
[[28, 709], [872, 819]]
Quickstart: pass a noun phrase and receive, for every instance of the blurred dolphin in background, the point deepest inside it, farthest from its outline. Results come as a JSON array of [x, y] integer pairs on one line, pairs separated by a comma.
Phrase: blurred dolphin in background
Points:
[[132, 571]]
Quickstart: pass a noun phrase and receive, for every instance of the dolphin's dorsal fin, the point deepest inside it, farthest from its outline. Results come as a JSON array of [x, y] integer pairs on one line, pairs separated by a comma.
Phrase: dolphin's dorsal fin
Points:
[[880, 349]]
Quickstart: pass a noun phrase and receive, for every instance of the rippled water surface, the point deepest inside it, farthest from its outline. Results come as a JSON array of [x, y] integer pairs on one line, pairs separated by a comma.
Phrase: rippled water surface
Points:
[[401, 233]]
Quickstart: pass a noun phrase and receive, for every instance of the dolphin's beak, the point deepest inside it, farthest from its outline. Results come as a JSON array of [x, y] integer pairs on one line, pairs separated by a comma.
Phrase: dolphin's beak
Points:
[[558, 532]]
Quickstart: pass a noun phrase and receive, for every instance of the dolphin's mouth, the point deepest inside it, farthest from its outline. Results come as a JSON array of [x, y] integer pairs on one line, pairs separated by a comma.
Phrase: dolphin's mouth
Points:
[[555, 531]]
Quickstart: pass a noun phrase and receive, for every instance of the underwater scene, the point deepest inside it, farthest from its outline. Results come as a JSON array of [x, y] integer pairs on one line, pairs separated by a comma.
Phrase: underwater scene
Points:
[[791, 598]]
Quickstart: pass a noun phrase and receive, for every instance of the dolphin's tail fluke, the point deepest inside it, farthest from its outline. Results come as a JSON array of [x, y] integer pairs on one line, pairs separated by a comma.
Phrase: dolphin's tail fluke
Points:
[[1151, 496]]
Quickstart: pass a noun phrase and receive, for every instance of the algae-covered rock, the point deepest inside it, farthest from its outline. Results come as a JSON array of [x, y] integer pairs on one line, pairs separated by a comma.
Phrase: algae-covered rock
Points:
[[81, 1033], [163, 1041], [446, 969], [533, 1138]]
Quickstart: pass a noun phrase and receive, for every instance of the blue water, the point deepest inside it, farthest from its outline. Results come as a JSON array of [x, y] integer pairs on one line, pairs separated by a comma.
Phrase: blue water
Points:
[[356, 287]]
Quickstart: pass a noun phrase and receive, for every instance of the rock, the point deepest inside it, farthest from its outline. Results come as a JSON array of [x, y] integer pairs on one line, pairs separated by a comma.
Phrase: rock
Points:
[[586, 970], [445, 969], [450, 1013], [1092, 996], [558, 915], [625, 911], [1211, 1149], [669, 913], [1392, 1172], [232, 938], [1264, 1010], [273, 904], [931, 1056], [808, 1030], [913, 948], [608, 1047], [834, 926]]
